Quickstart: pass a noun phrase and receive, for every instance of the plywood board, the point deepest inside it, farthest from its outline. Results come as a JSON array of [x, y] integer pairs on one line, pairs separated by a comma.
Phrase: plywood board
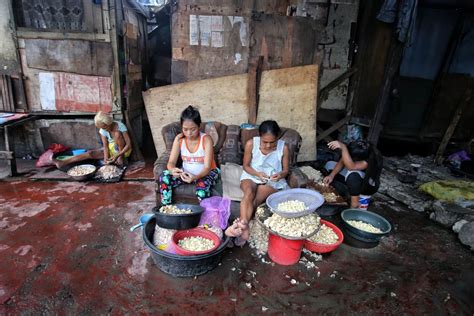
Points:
[[221, 99], [286, 95], [289, 96]]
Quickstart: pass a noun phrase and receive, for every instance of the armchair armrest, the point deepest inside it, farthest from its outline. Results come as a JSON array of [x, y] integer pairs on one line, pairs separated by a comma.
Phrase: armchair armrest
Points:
[[160, 165], [297, 179]]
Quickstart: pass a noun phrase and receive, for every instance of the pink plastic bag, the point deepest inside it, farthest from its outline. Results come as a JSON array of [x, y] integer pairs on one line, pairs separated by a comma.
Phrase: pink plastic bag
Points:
[[216, 211]]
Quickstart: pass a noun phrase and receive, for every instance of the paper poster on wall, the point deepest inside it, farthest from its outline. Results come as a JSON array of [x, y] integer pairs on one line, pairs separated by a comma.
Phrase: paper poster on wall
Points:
[[193, 30], [216, 23], [47, 91], [205, 29], [217, 39]]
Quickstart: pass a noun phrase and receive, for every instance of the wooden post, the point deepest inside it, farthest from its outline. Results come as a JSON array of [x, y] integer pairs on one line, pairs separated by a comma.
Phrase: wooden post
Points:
[[253, 87], [8, 144], [452, 126], [391, 69]]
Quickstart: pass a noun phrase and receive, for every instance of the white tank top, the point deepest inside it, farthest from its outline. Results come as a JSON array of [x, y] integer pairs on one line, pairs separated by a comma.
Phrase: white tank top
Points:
[[194, 162]]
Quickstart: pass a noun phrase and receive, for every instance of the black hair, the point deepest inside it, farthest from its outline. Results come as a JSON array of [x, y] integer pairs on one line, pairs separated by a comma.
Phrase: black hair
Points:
[[363, 150], [191, 113], [269, 127], [359, 150]]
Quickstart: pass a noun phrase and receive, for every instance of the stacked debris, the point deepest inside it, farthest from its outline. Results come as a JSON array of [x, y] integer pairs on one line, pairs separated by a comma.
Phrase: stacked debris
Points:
[[401, 179]]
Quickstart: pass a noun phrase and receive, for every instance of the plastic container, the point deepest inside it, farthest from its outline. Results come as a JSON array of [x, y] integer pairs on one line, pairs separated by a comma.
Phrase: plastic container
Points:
[[367, 217], [76, 152], [324, 248], [311, 199], [181, 266], [284, 251], [179, 221], [364, 201], [195, 232]]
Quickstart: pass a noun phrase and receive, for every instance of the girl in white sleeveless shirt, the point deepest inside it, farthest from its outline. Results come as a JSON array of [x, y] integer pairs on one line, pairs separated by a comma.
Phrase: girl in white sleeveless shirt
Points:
[[266, 165]]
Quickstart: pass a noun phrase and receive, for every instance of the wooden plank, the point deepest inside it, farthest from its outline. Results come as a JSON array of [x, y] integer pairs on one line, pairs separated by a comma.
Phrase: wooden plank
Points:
[[253, 86], [9, 145], [6, 154], [37, 34], [392, 67], [286, 95], [97, 16], [452, 126], [324, 92], [289, 96], [221, 99], [333, 128], [88, 16]]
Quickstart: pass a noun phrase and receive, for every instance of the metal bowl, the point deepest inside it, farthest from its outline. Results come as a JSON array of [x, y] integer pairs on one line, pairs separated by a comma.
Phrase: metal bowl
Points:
[[367, 217], [179, 221], [85, 176], [311, 199]]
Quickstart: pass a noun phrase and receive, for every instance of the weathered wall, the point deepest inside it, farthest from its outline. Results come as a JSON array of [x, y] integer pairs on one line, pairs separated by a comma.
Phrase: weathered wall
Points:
[[51, 90], [286, 95], [335, 48], [8, 56], [218, 38]]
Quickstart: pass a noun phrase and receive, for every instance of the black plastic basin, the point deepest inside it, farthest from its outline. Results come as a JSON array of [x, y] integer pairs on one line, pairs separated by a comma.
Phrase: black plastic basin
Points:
[[181, 266], [368, 217], [179, 221]]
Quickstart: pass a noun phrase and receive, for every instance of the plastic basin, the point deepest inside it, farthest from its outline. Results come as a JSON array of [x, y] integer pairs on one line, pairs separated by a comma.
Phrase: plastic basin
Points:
[[369, 217], [311, 199], [179, 221], [85, 176], [177, 265], [195, 232], [324, 248]]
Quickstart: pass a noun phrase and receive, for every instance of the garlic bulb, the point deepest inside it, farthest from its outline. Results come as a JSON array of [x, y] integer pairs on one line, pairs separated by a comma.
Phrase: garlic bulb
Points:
[[365, 227]]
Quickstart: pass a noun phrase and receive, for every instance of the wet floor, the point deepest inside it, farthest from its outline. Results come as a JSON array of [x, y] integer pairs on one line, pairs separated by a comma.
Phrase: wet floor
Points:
[[65, 247]]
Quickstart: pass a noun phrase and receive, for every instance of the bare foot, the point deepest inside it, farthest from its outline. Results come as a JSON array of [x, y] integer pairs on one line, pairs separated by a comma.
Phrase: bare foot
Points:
[[59, 163], [233, 230], [244, 226]]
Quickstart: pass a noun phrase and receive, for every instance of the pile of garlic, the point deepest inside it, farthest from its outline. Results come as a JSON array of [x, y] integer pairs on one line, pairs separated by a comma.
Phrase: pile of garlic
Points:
[[293, 227], [330, 197], [311, 173], [173, 209], [291, 206], [196, 243], [81, 170], [108, 172], [258, 238], [325, 235], [365, 227]]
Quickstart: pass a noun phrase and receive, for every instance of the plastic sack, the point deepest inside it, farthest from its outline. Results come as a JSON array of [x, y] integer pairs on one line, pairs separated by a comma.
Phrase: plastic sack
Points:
[[46, 158], [351, 133], [216, 212], [449, 190]]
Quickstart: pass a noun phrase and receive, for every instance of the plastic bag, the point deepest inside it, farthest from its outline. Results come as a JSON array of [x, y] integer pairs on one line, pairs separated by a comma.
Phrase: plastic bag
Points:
[[216, 211], [46, 158]]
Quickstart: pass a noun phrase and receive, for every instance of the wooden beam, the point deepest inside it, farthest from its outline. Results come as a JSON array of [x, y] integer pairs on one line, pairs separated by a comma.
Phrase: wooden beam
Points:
[[324, 92], [6, 154], [452, 126], [321, 131], [333, 128], [393, 64], [253, 87], [37, 34], [8, 145]]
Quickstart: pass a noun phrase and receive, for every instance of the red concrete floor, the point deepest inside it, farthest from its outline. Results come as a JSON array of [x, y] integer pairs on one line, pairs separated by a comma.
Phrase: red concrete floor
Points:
[[65, 248]]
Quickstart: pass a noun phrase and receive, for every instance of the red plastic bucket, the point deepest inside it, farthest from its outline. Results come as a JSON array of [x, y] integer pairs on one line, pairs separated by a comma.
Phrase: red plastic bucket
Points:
[[284, 251]]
